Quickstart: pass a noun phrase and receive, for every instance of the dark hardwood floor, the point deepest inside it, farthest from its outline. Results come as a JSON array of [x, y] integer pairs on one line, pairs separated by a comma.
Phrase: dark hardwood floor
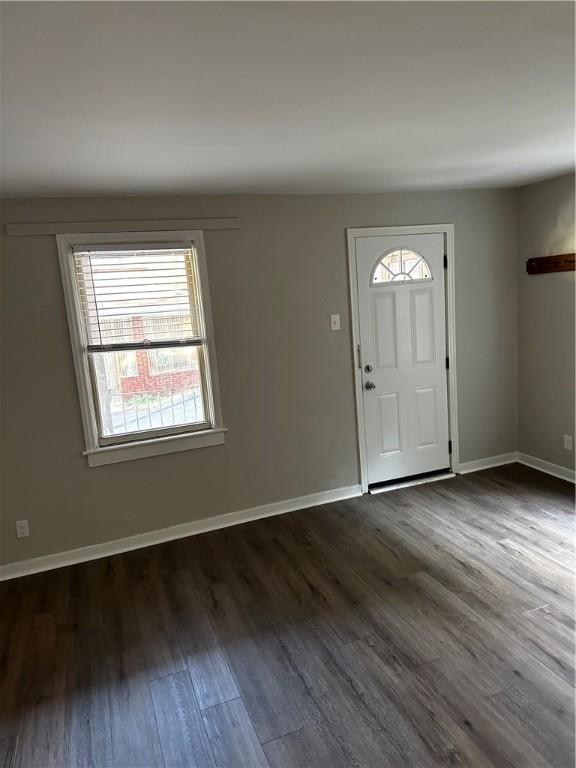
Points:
[[430, 626]]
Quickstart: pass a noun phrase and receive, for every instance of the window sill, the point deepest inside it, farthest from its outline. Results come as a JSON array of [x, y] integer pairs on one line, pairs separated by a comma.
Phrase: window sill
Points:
[[143, 449]]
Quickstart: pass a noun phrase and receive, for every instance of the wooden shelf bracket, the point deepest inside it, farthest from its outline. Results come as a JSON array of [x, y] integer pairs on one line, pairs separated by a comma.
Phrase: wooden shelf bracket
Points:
[[543, 265]]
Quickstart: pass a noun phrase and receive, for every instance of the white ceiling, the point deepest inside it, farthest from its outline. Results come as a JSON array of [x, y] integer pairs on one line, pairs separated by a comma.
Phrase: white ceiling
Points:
[[113, 98]]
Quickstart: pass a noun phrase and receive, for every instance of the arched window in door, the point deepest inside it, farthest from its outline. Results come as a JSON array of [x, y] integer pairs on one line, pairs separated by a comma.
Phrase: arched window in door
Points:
[[399, 265]]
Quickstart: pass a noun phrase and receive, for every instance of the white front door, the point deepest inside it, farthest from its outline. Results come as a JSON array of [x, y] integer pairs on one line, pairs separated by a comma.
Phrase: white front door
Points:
[[401, 317]]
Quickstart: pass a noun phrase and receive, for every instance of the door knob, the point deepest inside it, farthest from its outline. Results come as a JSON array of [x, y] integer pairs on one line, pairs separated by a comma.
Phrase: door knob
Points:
[[369, 385]]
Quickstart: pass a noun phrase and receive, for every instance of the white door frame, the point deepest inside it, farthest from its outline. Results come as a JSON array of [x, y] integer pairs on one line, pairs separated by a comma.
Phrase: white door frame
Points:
[[425, 229]]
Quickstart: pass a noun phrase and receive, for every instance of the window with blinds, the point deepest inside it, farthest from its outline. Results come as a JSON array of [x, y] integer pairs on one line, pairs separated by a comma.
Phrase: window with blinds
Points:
[[140, 323]]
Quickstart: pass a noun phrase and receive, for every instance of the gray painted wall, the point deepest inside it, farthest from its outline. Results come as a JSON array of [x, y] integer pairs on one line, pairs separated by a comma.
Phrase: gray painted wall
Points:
[[286, 380], [546, 322]]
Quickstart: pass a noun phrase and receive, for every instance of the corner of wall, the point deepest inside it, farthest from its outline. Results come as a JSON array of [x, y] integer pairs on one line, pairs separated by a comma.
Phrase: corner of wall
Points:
[[545, 225]]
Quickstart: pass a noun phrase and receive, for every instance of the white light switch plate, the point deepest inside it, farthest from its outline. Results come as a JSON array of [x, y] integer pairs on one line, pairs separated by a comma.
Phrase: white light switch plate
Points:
[[568, 442], [22, 529], [334, 322]]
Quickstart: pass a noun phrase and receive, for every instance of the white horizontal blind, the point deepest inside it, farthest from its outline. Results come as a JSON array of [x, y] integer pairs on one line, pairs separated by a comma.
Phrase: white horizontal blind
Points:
[[134, 297]]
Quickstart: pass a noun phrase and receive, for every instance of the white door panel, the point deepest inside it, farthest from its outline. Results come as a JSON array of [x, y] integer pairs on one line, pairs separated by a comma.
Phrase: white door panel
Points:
[[422, 326], [388, 423], [401, 311], [384, 319], [426, 409]]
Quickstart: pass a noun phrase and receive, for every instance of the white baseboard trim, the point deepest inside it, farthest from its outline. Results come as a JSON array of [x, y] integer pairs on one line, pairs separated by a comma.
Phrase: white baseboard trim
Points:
[[546, 466], [521, 458], [487, 463], [95, 551]]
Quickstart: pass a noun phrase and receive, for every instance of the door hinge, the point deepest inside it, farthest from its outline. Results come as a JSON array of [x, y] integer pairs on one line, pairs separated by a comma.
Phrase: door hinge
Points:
[[445, 261], [359, 356], [447, 363], [449, 446]]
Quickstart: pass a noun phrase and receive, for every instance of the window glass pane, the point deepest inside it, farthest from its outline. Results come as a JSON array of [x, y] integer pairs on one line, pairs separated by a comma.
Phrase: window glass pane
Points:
[[127, 363], [134, 296], [400, 265], [169, 359], [152, 389]]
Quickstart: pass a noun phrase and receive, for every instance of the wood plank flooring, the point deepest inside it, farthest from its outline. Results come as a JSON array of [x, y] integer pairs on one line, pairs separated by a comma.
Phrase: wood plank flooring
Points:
[[429, 626]]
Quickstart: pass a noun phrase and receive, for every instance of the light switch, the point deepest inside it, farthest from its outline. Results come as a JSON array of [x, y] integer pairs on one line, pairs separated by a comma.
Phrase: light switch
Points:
[[334, 322]]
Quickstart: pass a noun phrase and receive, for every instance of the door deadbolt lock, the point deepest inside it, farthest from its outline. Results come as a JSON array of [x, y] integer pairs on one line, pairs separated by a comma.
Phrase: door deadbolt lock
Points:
[[368, 368], [369, 385]]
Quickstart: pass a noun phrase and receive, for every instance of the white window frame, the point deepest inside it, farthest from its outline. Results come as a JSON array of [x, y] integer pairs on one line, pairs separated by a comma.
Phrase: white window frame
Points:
[[96, 452], [411, 281]]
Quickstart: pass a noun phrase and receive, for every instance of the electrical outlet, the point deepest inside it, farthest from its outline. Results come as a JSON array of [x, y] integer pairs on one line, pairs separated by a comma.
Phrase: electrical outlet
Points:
[[334, 322], [22, 529], [568, 442]]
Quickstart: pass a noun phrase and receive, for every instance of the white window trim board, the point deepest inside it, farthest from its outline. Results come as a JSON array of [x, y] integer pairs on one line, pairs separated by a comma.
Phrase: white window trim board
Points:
[[97, 454], [112, 454], [39, 228]]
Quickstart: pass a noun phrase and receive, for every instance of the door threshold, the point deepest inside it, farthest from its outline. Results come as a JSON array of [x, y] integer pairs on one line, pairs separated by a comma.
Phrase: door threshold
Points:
[[394, 485]]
